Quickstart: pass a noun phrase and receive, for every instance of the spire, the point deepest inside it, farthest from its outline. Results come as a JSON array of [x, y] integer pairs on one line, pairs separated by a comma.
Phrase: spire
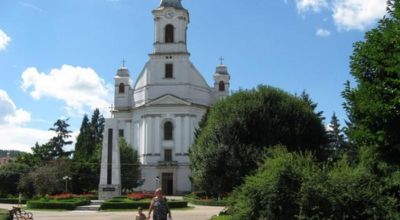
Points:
[[171, 3], [123, 70]]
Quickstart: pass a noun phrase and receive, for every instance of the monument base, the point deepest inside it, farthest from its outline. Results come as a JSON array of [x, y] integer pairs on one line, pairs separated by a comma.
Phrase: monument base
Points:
[[109, 191]]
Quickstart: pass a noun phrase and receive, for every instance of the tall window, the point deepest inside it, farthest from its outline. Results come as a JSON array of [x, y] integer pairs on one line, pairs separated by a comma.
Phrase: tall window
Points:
[[169, 71], [121, 88], [221, 86], [169, 33], [167, 155], [168, 130], [121, 133]]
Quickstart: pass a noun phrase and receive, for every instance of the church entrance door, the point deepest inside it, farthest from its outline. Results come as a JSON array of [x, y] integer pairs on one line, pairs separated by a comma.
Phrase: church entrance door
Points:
[[167, 183]]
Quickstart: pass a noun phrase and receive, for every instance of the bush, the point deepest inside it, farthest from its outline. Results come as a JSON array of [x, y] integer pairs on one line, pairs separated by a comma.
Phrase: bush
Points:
[[292, 186], [12, 200], [67, 204], [129, 204]]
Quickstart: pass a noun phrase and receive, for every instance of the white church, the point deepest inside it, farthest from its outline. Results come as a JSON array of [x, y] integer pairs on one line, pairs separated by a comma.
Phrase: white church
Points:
[[158, 114]]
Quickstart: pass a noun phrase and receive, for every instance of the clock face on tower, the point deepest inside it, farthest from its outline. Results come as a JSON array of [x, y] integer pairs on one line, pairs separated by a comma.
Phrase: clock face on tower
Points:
[[169, 14]]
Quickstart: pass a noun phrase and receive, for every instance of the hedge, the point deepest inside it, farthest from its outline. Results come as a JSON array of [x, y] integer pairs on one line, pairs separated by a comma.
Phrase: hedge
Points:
[[52, 204], [4, 214], [205, 202], [12, 200], [128, 204]]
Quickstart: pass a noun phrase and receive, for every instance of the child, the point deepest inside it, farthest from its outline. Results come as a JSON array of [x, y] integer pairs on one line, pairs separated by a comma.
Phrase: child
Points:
[[140, 215]]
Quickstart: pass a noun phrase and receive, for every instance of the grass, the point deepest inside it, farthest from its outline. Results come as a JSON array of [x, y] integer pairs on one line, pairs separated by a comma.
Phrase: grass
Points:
[[221, 217], [4, 214]]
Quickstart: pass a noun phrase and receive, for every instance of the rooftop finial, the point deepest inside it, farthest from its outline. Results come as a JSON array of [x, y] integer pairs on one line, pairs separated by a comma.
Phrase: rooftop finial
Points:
[[123, 62], [221, 59]]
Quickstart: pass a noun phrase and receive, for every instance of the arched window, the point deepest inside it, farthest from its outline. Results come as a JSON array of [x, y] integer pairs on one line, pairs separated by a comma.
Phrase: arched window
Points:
[[168, 130], [121, 88], [169, 33], [221, 86]]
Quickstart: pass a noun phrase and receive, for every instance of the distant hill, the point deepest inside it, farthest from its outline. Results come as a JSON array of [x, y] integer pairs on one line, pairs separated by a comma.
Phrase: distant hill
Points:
[[13, 153]]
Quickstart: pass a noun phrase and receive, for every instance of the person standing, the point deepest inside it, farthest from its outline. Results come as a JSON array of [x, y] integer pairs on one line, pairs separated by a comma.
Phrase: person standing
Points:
[[140, 215], [160, 206]]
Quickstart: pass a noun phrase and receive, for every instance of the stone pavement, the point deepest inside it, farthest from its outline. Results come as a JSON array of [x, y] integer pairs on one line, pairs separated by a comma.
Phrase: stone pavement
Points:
[[197, 213]]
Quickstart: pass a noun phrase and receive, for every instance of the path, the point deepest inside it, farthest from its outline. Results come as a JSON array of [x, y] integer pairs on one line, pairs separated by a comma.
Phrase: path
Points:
[[197, 213]]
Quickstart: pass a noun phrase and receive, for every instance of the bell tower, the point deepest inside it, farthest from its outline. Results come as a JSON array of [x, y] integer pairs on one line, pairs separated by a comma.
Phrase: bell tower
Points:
[[171, 21]]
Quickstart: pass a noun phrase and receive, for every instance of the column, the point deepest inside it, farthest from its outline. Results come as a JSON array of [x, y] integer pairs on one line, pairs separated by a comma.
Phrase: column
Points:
[[178, 134], [186, 136], [147, 145], [128, 133], [157, 147]]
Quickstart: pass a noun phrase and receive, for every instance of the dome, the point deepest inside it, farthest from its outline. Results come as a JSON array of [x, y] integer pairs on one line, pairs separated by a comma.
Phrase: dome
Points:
[[123, 72], [171, 3], [222, 69]]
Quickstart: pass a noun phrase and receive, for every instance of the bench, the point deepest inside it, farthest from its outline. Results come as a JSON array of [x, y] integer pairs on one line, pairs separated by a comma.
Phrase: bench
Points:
[[18, 214]]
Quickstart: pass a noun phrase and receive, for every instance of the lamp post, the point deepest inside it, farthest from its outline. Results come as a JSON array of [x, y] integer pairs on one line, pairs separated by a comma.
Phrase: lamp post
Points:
[[66, 178]]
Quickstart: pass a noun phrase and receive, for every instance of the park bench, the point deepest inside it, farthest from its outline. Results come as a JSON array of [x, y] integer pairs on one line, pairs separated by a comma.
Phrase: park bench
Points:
[[18, 214]]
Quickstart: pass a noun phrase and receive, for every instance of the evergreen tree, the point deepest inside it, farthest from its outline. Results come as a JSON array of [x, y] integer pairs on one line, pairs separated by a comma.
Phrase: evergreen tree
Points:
[[130, 166], [58, 142], [337, 142], [84, 142], [97, 124], [307, 99]]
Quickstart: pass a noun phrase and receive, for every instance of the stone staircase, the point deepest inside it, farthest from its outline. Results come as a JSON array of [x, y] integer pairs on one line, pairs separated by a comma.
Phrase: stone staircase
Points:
[[94, 206]]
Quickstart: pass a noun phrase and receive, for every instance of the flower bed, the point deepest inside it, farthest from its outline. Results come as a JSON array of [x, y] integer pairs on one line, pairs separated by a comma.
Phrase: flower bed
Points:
[[202, 199], [66, 204], [87, 196], [140, 195]]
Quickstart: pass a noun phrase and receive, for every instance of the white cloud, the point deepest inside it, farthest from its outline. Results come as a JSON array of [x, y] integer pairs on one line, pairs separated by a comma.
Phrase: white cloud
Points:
[[19, 138], [9, 114], [357, 14], [323, 32], [311, 5], [79, 88], [31, 6], [4, 40]]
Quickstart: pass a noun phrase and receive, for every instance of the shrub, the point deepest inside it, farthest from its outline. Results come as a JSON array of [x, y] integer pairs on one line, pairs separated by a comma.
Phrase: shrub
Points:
[[292, 186], [12, 200], [129, 204], [67, 204]]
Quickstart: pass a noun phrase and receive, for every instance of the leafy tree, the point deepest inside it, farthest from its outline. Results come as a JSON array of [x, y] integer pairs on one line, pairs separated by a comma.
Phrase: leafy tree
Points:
[[239, 129], [130, 166], [292, 186], [10, 153], [41, 153], [45, 179], [337, 142], [373, 106], [9, 176]]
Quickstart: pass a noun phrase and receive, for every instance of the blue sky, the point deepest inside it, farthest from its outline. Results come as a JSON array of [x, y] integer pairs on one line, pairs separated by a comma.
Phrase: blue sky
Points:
[[58, 58]]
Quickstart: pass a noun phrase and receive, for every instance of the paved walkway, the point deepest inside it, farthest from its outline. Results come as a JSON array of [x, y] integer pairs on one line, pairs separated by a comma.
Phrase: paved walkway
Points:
[[196, 213]]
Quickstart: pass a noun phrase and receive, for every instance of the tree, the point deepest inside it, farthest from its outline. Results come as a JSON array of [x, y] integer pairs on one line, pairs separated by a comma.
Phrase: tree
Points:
[[373, 106], [306, 98], [130, 166], [45, 179], [239, 129], [58, 142], [86, 159], [9, 176], [337, 142]]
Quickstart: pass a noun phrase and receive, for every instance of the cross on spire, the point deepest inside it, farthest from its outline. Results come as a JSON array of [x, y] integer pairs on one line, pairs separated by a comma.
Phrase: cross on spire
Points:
[[123, 62], [221, 59]]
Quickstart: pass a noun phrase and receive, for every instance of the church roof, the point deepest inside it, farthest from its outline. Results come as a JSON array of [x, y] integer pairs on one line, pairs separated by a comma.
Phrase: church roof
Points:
[[172, 3]]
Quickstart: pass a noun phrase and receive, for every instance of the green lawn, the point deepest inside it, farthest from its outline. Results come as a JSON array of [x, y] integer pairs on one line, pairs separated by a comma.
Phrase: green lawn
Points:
[[222, 217]]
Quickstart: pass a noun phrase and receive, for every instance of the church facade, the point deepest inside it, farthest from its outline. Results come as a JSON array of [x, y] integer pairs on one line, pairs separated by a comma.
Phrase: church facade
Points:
[[159, 113]]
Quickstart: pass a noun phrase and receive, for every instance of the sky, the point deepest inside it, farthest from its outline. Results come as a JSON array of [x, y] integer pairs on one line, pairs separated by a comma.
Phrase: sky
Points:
[[58, 58]]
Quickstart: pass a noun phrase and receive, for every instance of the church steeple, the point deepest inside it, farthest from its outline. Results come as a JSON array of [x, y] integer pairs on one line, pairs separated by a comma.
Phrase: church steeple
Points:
[[171, 22], [171, 3]]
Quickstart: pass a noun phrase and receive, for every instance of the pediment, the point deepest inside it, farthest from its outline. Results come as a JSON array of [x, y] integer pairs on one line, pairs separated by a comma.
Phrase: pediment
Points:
[[168, 100]]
